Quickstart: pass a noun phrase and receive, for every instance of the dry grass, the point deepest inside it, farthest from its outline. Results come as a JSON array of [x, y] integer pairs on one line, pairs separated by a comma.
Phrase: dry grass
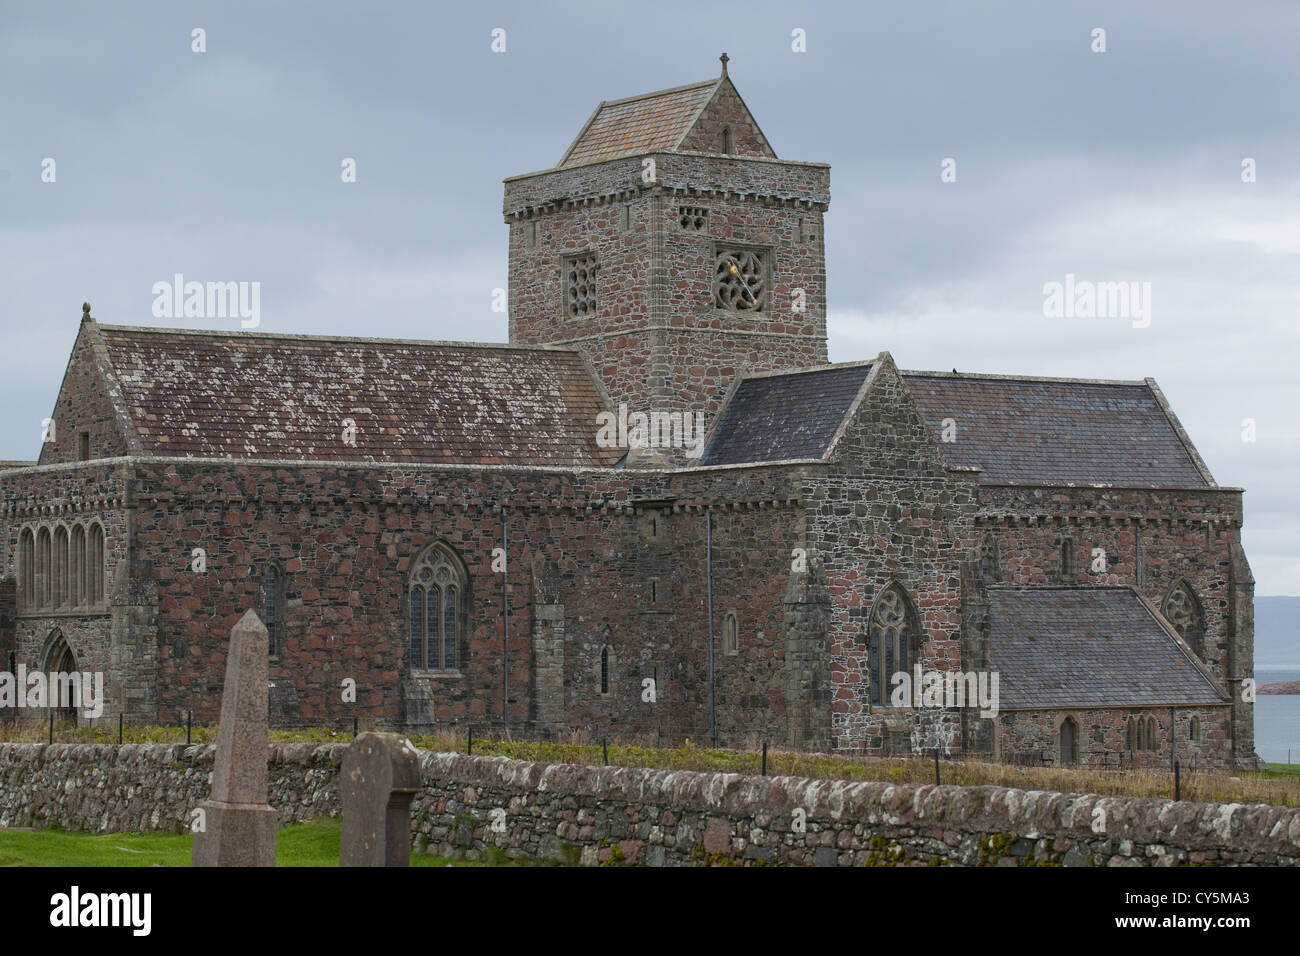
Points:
[[1279, 786]]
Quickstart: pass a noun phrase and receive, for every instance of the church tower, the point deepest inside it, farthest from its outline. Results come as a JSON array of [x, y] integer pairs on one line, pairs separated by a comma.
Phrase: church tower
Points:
[[674, 247]]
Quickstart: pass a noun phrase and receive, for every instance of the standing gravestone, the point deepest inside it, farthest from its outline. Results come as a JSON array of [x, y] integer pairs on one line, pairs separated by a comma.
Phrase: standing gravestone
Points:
[[238, 826], [380, 777]]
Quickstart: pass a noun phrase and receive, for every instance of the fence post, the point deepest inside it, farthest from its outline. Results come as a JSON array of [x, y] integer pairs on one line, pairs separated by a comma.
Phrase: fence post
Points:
[[188, 715], [469, 742], [354, 727], [51, 725], [937, 782], [1178, 790], [604, 750], [764, 758], [119, 728]]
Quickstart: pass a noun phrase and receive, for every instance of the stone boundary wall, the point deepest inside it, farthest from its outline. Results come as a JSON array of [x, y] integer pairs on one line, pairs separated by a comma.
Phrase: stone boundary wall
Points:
[[618, 815]]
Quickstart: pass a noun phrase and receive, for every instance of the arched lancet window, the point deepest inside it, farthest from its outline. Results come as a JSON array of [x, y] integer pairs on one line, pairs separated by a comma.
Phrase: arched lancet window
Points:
[[272, 602], [731, 635], [1194, 732], [989, 559], [1183, 611], [726, 140], [895, 636], [95, 565], [77, 566], [604, 670], [1153, 734], [1069, 741], [1067, 559], [437, 598], [27, 569], [43, 569], [60, 584]]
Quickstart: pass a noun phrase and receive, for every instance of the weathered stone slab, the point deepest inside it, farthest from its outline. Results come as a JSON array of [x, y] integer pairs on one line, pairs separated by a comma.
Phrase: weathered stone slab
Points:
[[379, 778]]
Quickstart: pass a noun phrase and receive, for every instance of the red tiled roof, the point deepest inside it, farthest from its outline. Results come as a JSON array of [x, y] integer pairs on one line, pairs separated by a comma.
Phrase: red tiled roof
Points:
[[639, 124], [252, 395]]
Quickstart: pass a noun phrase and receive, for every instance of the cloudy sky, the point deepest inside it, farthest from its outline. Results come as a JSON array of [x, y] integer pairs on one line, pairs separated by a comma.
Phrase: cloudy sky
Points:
[[1123, 165]]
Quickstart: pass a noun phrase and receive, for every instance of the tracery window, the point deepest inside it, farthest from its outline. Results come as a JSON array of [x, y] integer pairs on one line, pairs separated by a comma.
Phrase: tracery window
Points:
[[436, 603], [740, 280], [1184, 612], [580, 285], [894, 641]]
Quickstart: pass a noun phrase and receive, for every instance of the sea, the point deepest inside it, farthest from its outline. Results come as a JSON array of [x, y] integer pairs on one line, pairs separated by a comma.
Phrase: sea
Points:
[[1277, 717]]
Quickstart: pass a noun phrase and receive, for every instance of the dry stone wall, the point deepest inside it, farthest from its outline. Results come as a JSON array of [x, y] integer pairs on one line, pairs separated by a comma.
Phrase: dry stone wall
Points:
[[613, 815]]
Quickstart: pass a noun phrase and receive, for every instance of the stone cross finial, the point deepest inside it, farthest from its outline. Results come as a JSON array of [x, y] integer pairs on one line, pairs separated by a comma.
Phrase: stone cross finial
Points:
[[724, 58], [239, 827]]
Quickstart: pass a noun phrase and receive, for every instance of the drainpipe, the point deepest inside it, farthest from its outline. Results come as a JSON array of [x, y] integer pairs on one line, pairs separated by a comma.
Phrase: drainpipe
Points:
[[505, 616], [708, 563]]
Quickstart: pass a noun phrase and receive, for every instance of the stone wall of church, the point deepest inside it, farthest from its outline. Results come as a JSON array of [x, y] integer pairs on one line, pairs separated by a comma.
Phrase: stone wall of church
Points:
[[630, 577], [888, 512], [656, 339], [1203, 737], [67, 496], [83, 405], [1154, 539], [726, 112]]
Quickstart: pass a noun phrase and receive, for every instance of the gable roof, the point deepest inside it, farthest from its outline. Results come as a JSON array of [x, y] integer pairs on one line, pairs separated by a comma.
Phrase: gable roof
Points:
[[1082, 647], [1059, 431], [651, 122], [255, 395], [785, 416]]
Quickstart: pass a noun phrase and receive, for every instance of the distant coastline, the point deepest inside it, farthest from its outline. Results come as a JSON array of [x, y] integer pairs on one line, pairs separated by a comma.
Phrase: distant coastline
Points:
[[1286, 687]]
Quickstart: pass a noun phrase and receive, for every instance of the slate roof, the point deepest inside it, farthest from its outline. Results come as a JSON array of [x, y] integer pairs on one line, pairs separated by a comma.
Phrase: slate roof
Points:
[[1032, 431], [1085, 647], [783, 417], [639, 124], [253, 395]]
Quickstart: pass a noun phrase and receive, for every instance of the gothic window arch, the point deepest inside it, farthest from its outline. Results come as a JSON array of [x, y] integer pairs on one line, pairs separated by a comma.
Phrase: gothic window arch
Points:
[[59, 584], [731, 634], [1153, 734], [271, 605], [43, 568], [1069, 737], [437, 598], [1194, 731], [60, 659], [1067, 560], [988, 560], [894, 640], [95, 564], [1183, 611], [77, 566], [27, 568], [726, 141]]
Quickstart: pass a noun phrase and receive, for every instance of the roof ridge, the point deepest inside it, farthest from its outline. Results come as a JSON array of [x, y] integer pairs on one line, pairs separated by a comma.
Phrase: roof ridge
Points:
[[827, 367], [358, 339], [988, 376], [676, 89]]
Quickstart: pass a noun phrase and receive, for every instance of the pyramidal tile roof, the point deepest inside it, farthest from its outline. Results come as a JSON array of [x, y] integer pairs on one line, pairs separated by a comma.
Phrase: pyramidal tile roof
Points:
[[207, 394], [640, 124]]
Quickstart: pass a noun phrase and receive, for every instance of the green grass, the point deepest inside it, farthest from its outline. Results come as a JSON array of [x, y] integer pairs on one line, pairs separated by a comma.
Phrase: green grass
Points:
[[304, 844]]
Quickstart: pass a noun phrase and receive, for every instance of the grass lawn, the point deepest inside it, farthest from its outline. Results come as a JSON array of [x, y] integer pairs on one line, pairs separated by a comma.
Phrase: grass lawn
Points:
[[303, 844]]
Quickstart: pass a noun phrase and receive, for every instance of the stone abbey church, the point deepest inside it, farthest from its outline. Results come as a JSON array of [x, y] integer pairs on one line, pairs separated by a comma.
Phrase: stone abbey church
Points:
[[448, 525]]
